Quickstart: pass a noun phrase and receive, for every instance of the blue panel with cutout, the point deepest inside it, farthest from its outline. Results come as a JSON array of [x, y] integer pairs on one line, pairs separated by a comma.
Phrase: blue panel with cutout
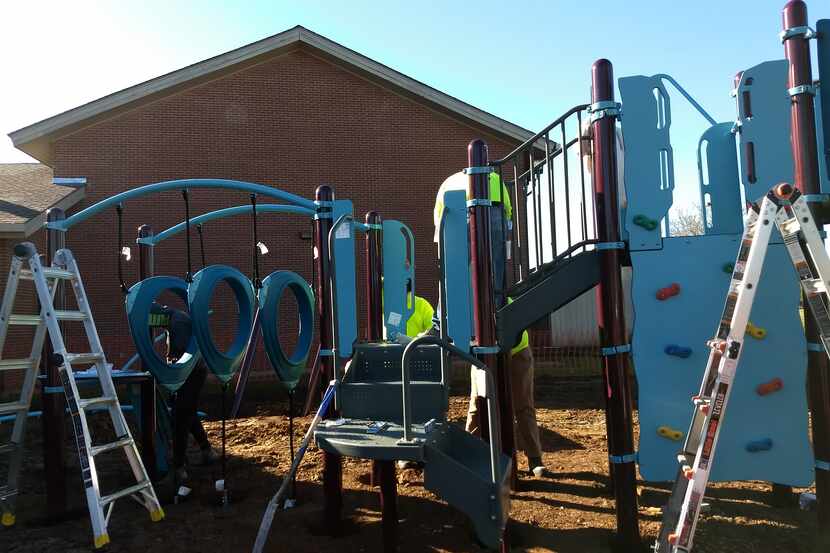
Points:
[[344, 280], [398, 277], [457, 298], [720, 193]]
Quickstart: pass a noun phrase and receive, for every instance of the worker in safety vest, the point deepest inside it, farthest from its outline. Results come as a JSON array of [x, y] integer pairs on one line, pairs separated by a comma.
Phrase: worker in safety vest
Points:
[[524, 411], [501, 223], [521, 362], [421, 320]]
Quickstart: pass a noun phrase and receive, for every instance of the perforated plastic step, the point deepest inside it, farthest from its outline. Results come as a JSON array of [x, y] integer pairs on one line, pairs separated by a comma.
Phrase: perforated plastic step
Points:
[[381, 362], [382, 401]]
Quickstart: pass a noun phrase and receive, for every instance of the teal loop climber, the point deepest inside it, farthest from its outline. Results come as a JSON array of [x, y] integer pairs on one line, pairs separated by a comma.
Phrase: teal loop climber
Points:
[[142, 308], [199, 294], [289, 368]]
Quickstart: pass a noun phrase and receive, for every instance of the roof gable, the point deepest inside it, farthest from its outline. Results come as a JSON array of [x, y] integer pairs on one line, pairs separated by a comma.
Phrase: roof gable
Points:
[[26, 192], [36, 139]]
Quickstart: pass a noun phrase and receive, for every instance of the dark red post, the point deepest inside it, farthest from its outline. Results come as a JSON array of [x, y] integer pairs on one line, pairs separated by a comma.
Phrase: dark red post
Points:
[[332, 464], [54, 404], [484, 308], [805, 158], [610, 314], [146, 269], [383, 472]]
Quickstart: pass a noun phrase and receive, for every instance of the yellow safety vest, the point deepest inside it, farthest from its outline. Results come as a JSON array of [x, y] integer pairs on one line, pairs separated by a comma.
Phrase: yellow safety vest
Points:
[[421, 319], [504, 197], [524, 342]]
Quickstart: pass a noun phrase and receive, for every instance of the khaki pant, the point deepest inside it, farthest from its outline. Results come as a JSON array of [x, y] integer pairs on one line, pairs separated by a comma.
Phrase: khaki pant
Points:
[[524, 422]]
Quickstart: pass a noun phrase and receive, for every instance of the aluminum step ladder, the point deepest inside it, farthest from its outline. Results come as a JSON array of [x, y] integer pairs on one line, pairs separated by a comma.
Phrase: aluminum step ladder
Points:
[[788, 209], [46, 281]]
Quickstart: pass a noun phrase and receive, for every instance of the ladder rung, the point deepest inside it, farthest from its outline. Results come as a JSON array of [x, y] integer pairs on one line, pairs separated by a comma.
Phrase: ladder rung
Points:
[[32, 320], [123, 442], [7, 492], [82, 358], [70, 315], [15, 364], [815, 286], [93, 401], [48, 272], [8, 448], [107, 499], [13, 407]]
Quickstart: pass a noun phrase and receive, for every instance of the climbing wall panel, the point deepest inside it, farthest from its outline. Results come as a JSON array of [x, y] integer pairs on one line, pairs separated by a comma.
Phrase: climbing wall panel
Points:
[[765, 434]]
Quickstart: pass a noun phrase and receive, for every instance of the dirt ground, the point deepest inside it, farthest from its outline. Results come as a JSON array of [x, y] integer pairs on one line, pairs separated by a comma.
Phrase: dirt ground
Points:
[[568, 511]]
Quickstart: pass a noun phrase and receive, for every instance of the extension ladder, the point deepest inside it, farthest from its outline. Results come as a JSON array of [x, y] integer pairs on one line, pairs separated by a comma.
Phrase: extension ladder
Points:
[[46, 281], [788, 209]]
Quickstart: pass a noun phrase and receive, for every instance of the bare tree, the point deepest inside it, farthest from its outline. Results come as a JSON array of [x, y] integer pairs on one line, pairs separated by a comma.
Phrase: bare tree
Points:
[[686, 221]]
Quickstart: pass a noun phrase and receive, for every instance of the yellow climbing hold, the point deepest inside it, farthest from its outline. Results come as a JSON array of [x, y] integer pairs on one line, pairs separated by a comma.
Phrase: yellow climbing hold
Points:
[[756, 331], [101, 541], [8, 519], [670, 433], [157, 515]]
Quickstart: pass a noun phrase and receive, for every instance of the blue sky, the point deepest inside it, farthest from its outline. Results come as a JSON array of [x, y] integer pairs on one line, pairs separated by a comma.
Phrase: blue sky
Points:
[[523, 61]]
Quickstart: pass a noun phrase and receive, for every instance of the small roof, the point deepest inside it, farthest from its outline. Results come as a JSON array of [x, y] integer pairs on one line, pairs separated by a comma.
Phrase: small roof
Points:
[[26, 192], [36, 138]]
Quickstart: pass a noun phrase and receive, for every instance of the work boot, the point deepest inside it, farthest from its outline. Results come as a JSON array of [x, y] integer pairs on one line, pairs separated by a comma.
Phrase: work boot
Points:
[[209, 455], [535, 466]]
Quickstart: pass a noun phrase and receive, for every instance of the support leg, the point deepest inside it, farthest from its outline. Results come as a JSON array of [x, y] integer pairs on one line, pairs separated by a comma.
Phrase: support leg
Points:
[[388, 505]]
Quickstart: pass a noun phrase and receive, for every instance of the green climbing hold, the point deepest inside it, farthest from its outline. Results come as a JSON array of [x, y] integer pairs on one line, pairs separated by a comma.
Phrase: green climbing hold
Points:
[[645, 222], [728, 268]]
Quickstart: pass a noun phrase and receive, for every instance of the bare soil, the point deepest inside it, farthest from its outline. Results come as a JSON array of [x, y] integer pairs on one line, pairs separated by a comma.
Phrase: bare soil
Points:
[[569, 511]]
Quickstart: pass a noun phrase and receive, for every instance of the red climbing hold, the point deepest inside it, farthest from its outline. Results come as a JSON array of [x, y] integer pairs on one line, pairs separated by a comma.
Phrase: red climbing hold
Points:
[[668, 291], [769, 387]]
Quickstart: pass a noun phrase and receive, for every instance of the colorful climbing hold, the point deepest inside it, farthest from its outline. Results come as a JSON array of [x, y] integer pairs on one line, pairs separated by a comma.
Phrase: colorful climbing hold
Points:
[[678, 351], [670, 433], [728, 268], [756, 331], [645, 222], [770, 387], [755, 446], [665, 293]]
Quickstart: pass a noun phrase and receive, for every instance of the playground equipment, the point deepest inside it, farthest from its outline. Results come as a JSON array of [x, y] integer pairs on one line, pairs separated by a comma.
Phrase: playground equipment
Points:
[[47, 321], [788, 210]]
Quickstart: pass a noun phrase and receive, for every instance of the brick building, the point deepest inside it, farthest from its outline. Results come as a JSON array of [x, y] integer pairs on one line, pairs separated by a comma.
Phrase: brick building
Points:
[[293, 111]]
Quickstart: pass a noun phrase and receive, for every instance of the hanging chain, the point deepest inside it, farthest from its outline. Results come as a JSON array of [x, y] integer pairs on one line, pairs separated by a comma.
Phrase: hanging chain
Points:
[[201, 244], [186, 195], [119, 210], [257, 281]]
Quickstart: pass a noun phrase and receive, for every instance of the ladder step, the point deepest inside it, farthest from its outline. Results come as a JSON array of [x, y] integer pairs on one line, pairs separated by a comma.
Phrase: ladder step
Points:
[[48, 272], [814, 286], [8, 448], [15, 364], [34, 320], [107, 499], [123, 442], [13, 407], [7, 493], [93, 401], [84, 358]]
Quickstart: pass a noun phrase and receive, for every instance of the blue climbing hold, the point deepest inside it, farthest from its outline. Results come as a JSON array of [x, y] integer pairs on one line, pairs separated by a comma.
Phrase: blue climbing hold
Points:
[[678, 351], [289, 368], [221, 363], [755, 446], [141, 307]]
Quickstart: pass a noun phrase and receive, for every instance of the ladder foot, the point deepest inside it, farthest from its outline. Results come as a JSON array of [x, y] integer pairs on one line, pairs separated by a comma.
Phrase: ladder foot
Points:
[[157, 515], [8, 519], [101, 541]]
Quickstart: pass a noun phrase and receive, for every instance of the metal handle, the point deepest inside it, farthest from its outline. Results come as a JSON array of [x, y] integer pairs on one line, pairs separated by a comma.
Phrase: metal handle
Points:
[[492, 413]]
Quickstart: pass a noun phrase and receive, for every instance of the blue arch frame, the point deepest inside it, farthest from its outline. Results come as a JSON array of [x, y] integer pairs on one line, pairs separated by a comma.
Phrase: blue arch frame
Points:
[[181, 184]]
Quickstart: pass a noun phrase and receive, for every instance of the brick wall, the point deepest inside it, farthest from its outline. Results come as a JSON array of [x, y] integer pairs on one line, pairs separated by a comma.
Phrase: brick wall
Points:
[[295, 121]]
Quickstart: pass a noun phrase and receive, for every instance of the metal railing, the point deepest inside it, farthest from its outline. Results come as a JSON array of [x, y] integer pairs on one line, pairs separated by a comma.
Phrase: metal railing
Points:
[[492, 404], [552, 200]]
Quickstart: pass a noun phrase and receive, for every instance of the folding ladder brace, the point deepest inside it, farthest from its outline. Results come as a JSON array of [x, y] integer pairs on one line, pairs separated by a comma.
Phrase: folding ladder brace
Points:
[[788, 209], [46, 281]]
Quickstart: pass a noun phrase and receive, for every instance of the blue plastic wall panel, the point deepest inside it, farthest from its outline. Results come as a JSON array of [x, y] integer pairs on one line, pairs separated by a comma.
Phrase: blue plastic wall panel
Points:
[[456, 289], [821, 132], [764, 128], [667, 382], [649, 165], [823, 29], [398, 272], [720, 193], [344, 276]]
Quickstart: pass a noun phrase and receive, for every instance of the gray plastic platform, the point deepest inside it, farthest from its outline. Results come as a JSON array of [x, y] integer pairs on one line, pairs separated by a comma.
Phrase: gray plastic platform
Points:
[[352, 438]]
